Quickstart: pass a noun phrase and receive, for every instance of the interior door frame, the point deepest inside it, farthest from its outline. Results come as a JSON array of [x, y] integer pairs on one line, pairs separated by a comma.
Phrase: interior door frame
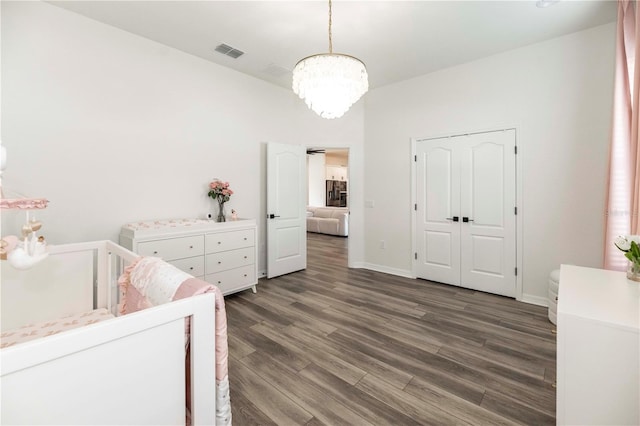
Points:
[[349, 200], [519, 203]]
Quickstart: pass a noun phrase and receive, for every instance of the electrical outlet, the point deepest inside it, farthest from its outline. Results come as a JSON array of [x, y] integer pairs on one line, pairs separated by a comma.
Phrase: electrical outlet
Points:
[[383, 244]]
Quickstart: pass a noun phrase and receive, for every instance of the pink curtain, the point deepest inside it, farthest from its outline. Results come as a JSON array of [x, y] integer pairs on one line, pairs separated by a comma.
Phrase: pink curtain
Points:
[[623, 198]]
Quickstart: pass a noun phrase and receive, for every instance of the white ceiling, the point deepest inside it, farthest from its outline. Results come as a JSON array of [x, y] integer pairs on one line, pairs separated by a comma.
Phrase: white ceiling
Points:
[[397, 40]]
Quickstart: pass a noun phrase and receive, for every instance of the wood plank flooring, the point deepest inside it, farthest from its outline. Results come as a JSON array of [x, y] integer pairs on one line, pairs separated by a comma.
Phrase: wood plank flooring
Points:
[[338, 346]]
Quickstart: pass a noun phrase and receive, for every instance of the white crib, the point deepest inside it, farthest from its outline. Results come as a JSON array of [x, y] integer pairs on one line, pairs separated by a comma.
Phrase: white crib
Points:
[[125, 370]]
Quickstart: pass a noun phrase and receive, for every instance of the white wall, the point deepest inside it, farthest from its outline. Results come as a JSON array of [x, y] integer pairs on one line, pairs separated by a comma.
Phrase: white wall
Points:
[[557, 93], [114, 128], [316, 174]]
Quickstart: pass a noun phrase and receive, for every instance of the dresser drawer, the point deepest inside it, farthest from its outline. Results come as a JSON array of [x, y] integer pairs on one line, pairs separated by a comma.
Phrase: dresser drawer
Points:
[[173, 248], [223, 241], [190, 265], [233, 279], [224, 260]]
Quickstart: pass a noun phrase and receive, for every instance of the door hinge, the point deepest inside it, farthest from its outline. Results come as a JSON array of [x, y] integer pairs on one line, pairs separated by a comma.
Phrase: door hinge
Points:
[[515, 210], [415, 206], [515, 149], [415, 255], [415, 158], [516, 271]]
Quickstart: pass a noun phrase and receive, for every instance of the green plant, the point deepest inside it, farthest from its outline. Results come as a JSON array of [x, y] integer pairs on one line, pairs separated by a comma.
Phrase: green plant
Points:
[[631, 249]]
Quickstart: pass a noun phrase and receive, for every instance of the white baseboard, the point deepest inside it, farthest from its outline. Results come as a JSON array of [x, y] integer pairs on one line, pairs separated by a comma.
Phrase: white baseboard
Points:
[[535, 300], [387, 270], [526, 298]]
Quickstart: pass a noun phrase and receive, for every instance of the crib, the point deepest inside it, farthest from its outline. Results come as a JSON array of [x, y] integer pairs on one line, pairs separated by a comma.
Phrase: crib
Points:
[[126, 369]]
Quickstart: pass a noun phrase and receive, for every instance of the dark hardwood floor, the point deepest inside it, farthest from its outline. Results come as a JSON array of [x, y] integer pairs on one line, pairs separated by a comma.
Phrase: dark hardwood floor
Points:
[[338, 346]]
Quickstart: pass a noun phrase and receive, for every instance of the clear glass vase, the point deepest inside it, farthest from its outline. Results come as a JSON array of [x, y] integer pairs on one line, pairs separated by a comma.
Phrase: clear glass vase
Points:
[[633, 272], [221, 217]]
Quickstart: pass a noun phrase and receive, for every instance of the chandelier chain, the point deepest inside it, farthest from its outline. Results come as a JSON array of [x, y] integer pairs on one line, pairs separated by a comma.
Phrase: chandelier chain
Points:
[[330, 41]]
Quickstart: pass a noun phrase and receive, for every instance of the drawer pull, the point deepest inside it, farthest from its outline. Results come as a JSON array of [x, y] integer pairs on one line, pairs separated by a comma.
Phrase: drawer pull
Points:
[[190, 247], [245, 238], [219, 242], [219, 282], [191, 268], [219, 262], [245, 275], [155, 252], [245, 257]]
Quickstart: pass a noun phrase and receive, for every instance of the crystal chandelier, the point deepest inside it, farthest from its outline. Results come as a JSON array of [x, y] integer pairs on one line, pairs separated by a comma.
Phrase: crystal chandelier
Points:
[[330, 82]]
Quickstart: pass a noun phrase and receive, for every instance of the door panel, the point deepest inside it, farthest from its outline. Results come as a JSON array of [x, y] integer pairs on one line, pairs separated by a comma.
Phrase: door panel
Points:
[[286, 196], [471, 177], [487, 255], [488, 199], [438, 181], [487, 183], [438, 237], [438, 248], [288, 243]]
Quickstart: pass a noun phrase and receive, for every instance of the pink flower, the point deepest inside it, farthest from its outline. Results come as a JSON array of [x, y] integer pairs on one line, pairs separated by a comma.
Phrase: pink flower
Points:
[[219, 190]]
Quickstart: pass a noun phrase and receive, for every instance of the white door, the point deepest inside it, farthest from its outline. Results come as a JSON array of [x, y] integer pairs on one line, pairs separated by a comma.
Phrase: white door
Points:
[[487, 201], [482, 196], [286, 211], [438, 212]]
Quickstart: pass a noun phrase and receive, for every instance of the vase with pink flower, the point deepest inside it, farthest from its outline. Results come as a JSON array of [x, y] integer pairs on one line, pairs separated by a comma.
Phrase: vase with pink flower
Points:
[[220, 191]]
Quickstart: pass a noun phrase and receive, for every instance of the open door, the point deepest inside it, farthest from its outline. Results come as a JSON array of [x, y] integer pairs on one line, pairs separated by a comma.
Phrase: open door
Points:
[[286, 209]]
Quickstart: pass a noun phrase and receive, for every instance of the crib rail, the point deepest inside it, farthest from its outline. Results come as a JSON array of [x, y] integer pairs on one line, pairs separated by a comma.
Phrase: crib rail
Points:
[[74, 278], [126, 370], [110, 260]]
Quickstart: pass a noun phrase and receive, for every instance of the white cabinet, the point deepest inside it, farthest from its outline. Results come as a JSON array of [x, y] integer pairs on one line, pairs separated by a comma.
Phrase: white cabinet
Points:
[[336, 173], [224, 254], [598, 348]]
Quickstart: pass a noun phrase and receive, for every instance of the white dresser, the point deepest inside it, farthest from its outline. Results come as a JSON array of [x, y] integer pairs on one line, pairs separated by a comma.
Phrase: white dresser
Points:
[[224, 254], [598, 348]]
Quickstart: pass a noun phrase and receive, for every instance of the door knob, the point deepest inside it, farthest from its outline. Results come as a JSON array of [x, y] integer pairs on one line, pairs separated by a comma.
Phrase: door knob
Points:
[[272, 216], [455, 218], [466, 219]]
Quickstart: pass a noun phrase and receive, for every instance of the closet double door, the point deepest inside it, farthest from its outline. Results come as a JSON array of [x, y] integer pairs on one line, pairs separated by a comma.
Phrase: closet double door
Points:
[[465, 211]]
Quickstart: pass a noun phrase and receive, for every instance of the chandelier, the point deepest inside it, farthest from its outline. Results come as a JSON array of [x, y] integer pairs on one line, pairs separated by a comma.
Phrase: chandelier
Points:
[[330, 83]]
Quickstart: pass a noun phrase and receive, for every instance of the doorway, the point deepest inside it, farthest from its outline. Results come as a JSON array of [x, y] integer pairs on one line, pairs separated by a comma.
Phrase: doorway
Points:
[[328, 186], [465, 211]]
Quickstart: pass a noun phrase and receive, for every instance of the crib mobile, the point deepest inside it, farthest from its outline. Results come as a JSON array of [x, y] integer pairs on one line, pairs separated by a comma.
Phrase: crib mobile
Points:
[[31, 248]]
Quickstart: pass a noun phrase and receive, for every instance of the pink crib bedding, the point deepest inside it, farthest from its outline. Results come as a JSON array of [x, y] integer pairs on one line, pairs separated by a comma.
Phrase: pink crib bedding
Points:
[[49, 328], [148, 282]]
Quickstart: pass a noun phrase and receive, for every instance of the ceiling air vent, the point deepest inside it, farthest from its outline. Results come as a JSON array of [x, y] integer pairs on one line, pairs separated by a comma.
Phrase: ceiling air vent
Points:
[[225, 49]]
